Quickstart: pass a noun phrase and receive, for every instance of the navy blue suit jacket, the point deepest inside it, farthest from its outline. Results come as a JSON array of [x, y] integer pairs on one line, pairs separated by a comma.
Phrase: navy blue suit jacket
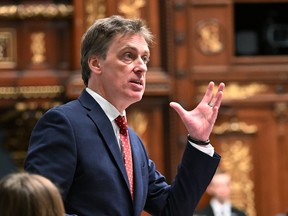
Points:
[[74, 145]]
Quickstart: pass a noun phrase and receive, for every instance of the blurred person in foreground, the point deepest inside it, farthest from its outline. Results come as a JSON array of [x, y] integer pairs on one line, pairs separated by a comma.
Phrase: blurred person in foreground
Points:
[[80, 145], [220, 191], [7, 165], [23, 194]]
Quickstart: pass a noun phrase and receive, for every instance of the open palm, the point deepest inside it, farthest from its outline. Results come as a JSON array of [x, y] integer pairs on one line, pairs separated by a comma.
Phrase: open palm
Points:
[[199, 122]]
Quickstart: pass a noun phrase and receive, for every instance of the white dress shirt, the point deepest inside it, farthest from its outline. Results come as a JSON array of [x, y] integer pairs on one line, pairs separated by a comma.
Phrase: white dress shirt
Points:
[[113, 113], [220, 209]]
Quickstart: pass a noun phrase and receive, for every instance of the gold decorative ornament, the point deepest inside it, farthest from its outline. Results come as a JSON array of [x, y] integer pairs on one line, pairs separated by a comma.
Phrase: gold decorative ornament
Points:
[[31, 92], [235, 91], [131, 8], [209, 37], [237, 160], [94, 9], [138, 121], [37, 48], [24, 11], [26, 106], [236, 127], [7, 48]]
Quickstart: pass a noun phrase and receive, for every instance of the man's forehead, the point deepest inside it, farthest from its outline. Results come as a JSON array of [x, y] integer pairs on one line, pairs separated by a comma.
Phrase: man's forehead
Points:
[[131, 41]]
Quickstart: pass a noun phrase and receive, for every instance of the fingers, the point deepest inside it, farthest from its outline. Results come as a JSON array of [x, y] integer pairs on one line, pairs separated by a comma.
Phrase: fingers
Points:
[[178, 108], [216, 100], [208, 94], [208, 97]]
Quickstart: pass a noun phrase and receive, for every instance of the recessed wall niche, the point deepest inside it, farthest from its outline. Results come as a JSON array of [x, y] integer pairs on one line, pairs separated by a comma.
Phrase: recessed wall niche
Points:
[[261, 29]]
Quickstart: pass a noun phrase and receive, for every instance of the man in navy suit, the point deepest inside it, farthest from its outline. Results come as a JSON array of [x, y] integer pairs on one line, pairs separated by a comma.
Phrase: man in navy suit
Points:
[[220, 204], [77, 145]]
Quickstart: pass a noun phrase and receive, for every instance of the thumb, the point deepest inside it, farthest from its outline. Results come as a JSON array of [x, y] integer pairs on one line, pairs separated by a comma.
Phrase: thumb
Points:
[[178, 108]]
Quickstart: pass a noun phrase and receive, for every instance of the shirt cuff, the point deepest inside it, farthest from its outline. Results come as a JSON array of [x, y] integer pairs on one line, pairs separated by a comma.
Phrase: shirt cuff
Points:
[[207, 149]]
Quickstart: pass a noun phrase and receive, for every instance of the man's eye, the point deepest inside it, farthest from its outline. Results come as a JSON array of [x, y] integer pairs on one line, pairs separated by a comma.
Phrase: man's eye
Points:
[[145, 59], [128, 57]]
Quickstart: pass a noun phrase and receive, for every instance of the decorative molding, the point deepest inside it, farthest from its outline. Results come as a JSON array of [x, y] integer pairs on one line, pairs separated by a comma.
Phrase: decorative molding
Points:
[[29, 92], [237, 160], [38, 47], [235, 91], [94, 9], [7, 48], [158, 83], [138, 120], [25, 11], [209, 36], [180, 5], [31, 106], [235, 127], [209, 2], [280, 113], [131, 8]]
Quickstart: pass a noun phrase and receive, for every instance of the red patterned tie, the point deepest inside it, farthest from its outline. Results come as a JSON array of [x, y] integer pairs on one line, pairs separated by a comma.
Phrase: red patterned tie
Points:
[[126, 149]]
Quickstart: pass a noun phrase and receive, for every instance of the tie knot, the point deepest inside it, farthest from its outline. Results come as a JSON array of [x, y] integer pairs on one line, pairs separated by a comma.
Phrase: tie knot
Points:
[[122, 124]]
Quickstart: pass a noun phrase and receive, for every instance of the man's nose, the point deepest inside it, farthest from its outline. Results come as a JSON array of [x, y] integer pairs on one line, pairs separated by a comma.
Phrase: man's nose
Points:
[[140, 65]]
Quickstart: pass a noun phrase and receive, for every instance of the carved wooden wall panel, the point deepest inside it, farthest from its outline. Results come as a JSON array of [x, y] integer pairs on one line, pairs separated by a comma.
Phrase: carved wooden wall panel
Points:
[[209, 33], [194, 44], [40, 52], [256, 94]]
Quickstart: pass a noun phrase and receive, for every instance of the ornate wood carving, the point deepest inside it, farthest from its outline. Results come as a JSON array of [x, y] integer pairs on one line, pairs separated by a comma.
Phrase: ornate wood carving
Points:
[[7, 48], [38, 48], [94, 9], [237, 160], [28, 92], [209, 36], [131, 8], [24, 11], [234, 127]]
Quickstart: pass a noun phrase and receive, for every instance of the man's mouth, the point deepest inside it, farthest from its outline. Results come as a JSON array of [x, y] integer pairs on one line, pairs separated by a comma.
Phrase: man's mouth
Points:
[[138, 82]]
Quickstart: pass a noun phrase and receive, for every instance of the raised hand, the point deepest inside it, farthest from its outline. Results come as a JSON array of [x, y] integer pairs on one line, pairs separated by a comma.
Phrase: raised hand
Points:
[[199, 122]]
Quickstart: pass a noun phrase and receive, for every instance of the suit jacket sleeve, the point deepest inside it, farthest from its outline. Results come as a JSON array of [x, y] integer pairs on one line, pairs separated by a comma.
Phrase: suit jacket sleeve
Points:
[[181, 198], [50, 153]]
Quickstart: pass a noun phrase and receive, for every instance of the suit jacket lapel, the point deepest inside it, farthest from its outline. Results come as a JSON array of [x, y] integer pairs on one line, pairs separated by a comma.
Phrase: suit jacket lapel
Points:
[[137, 167], [101, 121]]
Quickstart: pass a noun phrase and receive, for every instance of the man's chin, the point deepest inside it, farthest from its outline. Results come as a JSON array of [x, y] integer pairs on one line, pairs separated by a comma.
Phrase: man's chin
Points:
[[136, 98]]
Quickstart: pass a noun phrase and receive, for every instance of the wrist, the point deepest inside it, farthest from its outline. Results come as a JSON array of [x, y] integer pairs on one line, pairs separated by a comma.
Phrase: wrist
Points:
[[198, 142]]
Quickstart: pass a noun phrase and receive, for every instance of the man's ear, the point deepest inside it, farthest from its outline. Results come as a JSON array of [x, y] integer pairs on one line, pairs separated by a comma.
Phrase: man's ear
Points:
[[94, 64]]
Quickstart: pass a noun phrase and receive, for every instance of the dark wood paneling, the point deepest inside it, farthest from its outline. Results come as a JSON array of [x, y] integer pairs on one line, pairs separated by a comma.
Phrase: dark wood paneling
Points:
[[256, 92]]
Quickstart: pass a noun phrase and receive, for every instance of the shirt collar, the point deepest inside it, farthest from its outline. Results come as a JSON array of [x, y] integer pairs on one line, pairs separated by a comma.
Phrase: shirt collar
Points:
[[217, 206], [108, 108]]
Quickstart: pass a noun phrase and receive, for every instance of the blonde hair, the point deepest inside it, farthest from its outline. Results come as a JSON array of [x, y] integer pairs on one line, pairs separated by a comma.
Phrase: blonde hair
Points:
[[29, 195]]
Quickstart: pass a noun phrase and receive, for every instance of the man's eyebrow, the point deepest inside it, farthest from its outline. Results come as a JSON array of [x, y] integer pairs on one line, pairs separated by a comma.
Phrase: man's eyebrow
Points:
[[127, 47]]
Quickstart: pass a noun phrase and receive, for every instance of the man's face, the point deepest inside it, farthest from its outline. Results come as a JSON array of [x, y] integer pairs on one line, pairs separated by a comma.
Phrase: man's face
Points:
[[123, 72], [220, 187]]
